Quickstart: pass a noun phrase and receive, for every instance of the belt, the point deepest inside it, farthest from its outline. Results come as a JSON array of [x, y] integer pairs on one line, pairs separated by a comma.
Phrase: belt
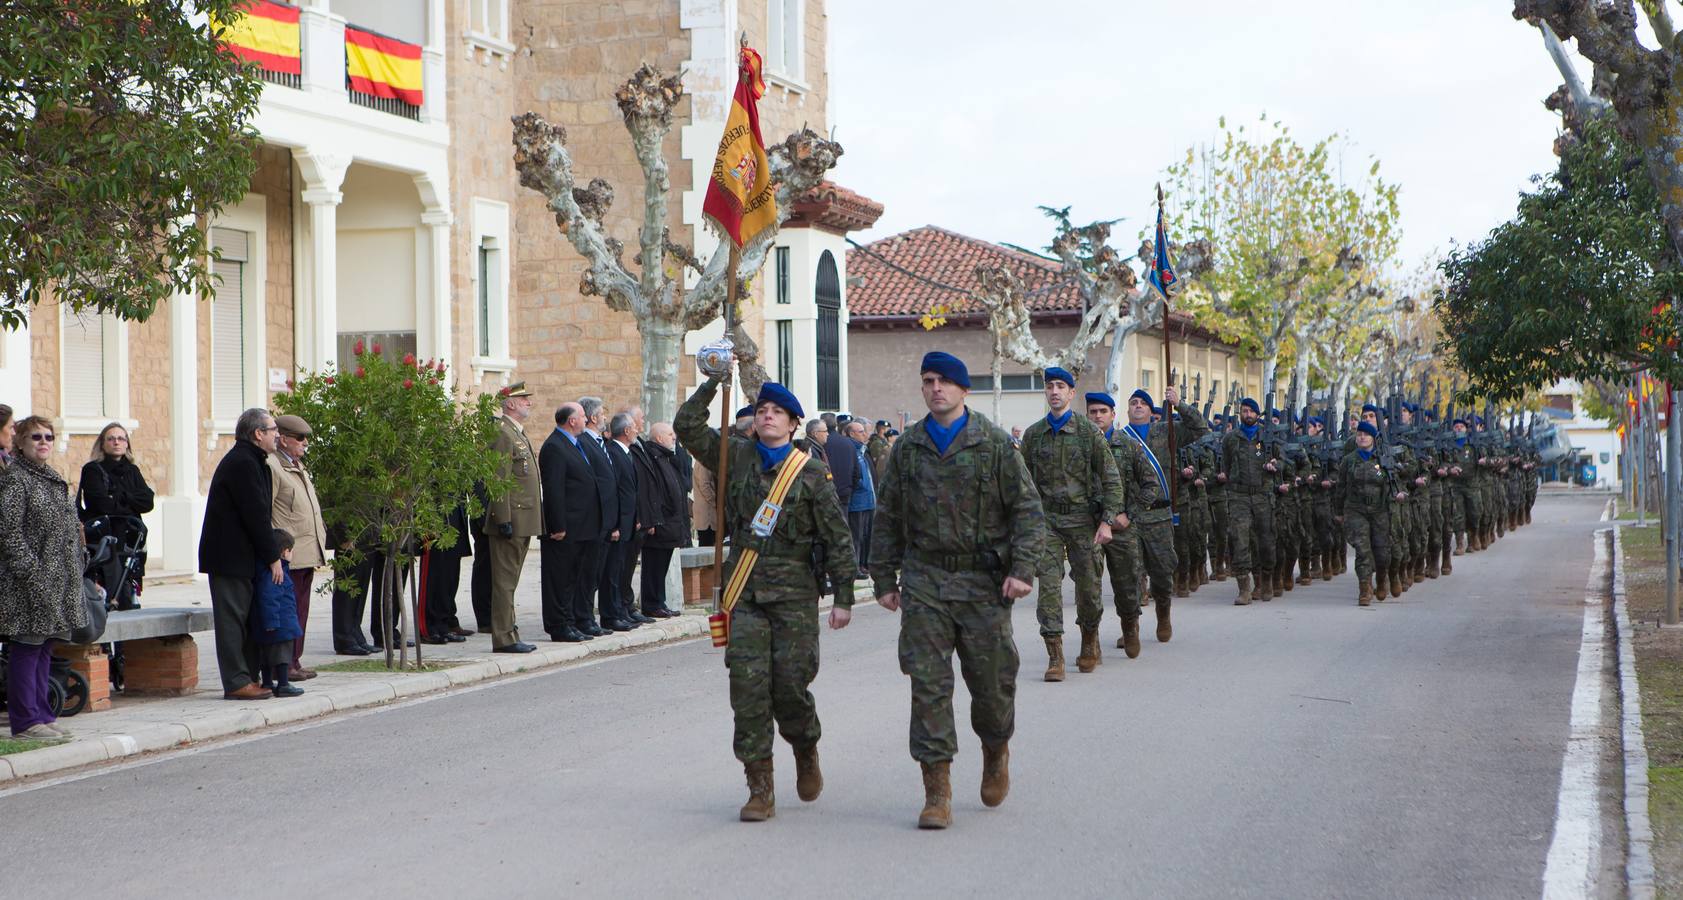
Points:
[[974, 561], [1161, 504]]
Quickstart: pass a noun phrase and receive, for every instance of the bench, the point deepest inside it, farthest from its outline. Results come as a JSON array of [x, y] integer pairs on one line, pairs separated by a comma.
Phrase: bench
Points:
[[697, 566], [159, 654]]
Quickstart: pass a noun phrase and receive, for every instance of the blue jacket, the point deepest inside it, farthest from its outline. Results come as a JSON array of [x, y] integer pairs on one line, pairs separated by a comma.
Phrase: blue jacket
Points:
[[274, 608], [864, 497]]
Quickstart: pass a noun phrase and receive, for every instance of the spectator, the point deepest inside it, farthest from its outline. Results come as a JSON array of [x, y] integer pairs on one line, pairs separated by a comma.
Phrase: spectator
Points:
[[615, 587], [297, 511], [236, 541], [348, 606], [6, 435], [607, 492], [703, 505], [862, 507], [572, 522], [663, 516], [112, 488], [636, 449], [844, 470], [441, 577], [817, 439], [274, 621], [512, 520], [1017, 436], [40, 576]]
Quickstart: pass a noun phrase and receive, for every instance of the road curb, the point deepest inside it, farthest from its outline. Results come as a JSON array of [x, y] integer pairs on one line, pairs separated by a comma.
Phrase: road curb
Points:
[[363, 693], [1639, 831]]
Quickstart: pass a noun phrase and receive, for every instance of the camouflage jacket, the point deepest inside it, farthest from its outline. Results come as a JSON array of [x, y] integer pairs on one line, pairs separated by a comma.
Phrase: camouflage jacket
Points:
[[1141, 492], [1073, 471], [955, 525], [811, 517], [1243, 460], [1363, 486]]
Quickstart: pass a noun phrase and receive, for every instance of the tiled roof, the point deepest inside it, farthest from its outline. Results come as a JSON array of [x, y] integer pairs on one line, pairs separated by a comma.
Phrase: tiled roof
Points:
[[922, 264]]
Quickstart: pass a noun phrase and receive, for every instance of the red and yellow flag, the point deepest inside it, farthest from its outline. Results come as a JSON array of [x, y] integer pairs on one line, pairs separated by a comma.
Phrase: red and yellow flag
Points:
[[739, 194], [267, 34], [383, 66]]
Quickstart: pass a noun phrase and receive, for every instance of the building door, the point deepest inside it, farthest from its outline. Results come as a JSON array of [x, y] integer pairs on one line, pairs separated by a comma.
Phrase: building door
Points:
[[829, 333]]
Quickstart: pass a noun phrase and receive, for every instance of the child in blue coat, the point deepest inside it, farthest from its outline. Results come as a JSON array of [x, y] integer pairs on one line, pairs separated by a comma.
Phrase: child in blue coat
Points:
[[274, 621]]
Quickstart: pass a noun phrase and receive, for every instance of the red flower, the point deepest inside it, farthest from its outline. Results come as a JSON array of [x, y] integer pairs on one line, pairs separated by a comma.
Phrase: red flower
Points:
[[290, 384], [440, 367], [327, 380], [409, 359], [361, 372], [408, 382], [358, 348], [376, 348]]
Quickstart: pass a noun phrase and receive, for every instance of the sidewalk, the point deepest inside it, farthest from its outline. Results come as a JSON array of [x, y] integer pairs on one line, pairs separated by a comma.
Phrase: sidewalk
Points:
[[137, 725]]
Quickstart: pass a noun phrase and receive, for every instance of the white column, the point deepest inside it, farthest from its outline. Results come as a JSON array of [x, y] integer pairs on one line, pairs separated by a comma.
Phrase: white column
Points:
[[323, 296], [432, 65], [438, 223], [176, 520], [321, 51]]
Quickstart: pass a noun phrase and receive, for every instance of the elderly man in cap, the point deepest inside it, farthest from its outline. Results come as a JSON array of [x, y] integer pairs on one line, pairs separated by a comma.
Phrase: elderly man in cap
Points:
[[1252, 476], [773, 651], [512, 520], [1081, 494], [956, 541], [297, 511]]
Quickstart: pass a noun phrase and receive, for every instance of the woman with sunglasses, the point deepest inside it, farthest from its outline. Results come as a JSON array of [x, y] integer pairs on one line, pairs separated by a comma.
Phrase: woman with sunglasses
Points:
[[113, 488], [40, 576]]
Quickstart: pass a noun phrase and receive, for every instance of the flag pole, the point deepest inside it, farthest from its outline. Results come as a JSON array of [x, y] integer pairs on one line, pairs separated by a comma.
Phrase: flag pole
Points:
[[721, 483], [1168, 380]]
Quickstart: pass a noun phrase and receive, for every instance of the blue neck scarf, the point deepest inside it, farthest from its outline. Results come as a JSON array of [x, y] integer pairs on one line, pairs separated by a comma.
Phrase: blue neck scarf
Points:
[[1461, 441], [1249, 431], [943, 435], [1059, 422], [1110, 432], [1143, 432], [1364, 454], [769, 457]]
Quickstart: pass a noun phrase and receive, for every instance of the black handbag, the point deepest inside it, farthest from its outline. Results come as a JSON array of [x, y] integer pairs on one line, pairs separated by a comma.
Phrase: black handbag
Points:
[[94, 600]]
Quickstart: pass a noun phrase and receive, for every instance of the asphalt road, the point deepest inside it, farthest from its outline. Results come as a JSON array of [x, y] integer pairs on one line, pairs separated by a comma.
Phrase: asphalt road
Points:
[[1300, 748]]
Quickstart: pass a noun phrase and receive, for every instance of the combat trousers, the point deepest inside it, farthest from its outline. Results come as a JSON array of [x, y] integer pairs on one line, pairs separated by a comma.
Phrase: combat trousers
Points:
[[1468, 500], [1370, 536], [1122, 557], [1157, 557], [508, 556], [772, 658], [1075, 542], [1218, 531], [1250, 533], [980, 630], [1322, 519]]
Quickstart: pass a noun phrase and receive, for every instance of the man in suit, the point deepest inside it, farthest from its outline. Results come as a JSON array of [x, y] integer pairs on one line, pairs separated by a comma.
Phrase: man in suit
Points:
[[607, 493], [638, 450], [614, 589], [572, 517], [512, 520]]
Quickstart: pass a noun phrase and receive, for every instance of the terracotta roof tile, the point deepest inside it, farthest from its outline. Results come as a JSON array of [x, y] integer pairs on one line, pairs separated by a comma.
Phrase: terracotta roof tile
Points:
[[933, 254]]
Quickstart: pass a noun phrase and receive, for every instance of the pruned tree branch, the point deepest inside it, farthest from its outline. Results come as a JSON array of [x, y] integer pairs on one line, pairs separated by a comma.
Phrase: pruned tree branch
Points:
[[545, 166]]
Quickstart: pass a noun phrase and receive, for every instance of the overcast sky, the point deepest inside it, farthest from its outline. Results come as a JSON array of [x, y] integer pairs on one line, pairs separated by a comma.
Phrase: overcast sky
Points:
[[970, 113]]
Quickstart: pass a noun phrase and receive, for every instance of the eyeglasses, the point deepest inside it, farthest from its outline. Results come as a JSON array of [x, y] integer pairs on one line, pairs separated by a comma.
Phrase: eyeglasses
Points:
[[270, 428], [44, 438]]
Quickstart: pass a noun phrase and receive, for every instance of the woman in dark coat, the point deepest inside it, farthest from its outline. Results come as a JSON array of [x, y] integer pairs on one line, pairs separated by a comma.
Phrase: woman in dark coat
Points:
[[665, 516], [40, 576], [112, 487]]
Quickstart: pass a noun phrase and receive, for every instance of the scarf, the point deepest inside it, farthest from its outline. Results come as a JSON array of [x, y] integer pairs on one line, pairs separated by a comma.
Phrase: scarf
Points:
[[1364, 454], [1143, 432], [1059, 422], [943, 435], [1461, 441], [770, 457], [1110, 432], [1249, 431]]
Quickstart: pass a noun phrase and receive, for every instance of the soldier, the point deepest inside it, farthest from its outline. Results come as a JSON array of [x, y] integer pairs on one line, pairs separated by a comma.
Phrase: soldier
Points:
[[1140, 492], [1463, 475], [514, 518], [1320, 485], [1081, 494], [1156, 537], [956, 540], [1251, 478], [876, 449], [1359, 502], [1217, 489], [773, 650]]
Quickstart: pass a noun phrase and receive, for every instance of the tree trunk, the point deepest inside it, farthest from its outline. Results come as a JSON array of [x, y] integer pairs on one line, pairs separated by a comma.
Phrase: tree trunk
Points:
[[1270, 371], [1340, 389], [998, 375], [1301, 371], [663, 344]]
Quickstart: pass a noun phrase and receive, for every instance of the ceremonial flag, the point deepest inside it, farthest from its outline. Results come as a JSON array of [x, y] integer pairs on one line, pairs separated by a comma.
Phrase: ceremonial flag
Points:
[[266, 34], [383, 66], [1162, 276], [739, 194]]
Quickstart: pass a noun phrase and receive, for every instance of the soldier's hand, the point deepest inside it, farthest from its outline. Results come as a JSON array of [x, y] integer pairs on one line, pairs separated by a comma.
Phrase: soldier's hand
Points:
[[1401, 495], [1198, 481], [1284, 488], [840, 617], [1338, 519], [1269, 466], [1442, 472], [650, 531], [1455, 470], [506, 529], [1186, 472], [557, 535], [1221, 477], [1102, 536], [1420, 482], [1171, 398], [1016, 589], [890, 601], [1122, 520], [1325, 485]]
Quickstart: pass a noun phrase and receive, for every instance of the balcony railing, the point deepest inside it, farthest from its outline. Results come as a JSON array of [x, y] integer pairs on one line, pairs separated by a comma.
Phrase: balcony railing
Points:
[[390, 105]]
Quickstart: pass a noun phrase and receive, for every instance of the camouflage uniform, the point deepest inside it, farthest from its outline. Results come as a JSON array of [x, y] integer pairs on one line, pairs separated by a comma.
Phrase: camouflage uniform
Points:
[[1076, 477], [1218, 518], [949, 530], [876, 450], [1362, 497], [773, 652], [1465, 486], [1250, 509], [1140, 491], [1157, 545]]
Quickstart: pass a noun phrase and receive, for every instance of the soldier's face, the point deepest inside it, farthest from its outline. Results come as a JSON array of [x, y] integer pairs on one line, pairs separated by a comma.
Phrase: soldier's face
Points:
[[1138, 412], [1058, 395], [1248, 416], [1460, 429], [773, 424], [1101, 415], [940, 395], [1371, 419], [1315, 428], [1407, 417], [1364, 440]]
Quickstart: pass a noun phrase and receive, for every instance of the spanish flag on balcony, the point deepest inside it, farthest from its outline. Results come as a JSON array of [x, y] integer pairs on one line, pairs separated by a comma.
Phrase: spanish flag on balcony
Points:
[[383, 66], [267, 34], [739, 194]]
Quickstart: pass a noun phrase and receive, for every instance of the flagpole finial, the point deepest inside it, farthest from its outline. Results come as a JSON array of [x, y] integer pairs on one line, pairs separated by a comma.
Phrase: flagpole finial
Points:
[[742, 40], [1159, 193]]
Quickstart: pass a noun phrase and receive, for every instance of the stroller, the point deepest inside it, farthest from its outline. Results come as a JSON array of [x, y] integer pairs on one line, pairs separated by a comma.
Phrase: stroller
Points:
[[67, 689], [117, 564]]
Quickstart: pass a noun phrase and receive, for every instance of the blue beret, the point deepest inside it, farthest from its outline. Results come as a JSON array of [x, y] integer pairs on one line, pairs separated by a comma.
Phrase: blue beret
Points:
[[947, 366], [1370, 408], [772, 392], [1101, 397], [1460, 422], [1145, 397], [1250, 404], [843, 418], [1430, 416], [1056, 374], [1317, 420], [1478, 420], [1368, 429], [744, 413]]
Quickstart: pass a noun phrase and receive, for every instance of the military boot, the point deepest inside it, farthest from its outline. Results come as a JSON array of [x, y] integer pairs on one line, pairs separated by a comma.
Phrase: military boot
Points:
[[1164, 629], [1431, 564], [1460, 543], [1089, 658], [1054, 657], [1278, 589], [1327, 566], [1365, 596], [1203, 575], [937, 796], [1180, 583], [1419, 572], [996, 774], [1381, 584], [1311, 567], [809, 780], [1244, 598], [1129, 642], [1446, 568], [762, 800]]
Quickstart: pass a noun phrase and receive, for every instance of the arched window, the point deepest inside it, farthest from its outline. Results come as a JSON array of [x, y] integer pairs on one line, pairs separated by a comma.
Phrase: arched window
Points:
[[829, 333]]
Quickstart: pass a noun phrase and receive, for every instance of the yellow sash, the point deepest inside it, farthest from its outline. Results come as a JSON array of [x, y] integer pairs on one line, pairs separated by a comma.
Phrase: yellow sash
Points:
[[786, 474]]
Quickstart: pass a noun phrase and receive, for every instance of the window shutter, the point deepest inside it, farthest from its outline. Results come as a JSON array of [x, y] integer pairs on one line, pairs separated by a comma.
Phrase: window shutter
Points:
[[82, 369], [227, 325]]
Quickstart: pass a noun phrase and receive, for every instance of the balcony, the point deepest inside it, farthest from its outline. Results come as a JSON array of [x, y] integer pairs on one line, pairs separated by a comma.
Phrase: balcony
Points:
[[313, 50]]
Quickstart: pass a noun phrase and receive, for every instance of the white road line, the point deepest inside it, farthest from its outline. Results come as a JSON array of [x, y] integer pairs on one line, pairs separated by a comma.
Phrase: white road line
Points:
[[1575, 852]]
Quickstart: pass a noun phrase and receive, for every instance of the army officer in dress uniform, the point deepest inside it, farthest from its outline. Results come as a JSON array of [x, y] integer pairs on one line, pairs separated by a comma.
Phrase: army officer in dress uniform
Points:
[[512, 520]]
